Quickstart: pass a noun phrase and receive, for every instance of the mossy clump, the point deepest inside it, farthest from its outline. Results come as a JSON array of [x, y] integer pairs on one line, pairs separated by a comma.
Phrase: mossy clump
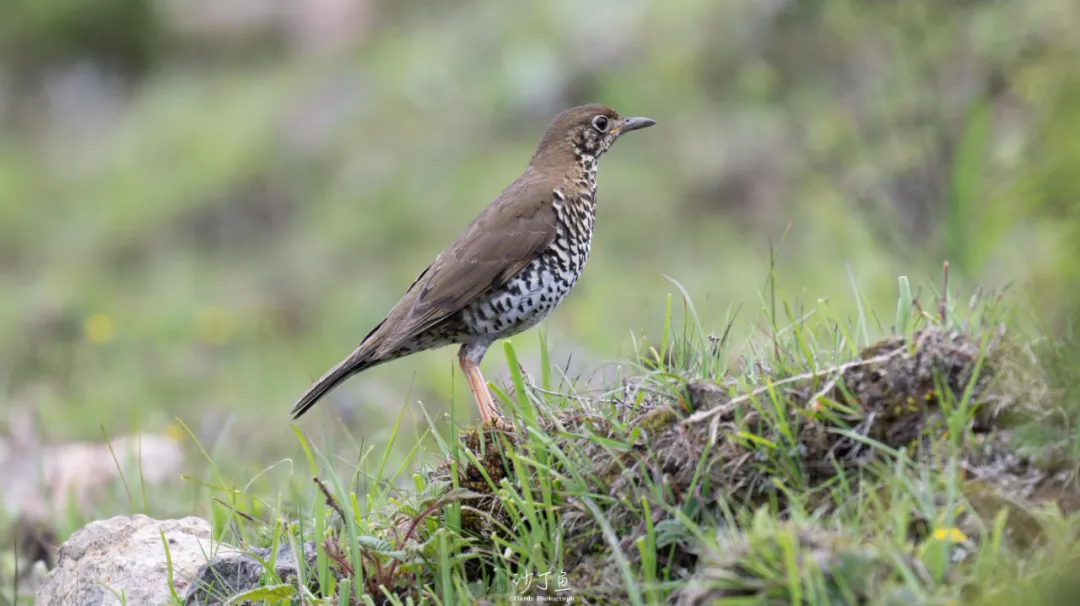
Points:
[[897, 387], [480, 472], [807, 429], [768, 562]]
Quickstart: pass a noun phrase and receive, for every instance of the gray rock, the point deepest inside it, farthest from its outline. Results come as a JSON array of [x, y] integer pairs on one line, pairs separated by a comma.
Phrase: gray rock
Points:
[[235, 572], [125, 557]]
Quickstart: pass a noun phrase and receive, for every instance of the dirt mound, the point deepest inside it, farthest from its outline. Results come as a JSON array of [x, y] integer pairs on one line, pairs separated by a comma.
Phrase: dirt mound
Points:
[[652, 465]]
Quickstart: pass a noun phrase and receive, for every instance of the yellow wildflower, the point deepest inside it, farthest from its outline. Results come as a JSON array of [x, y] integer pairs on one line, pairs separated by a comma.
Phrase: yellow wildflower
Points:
[[99, 328], [952, 535]]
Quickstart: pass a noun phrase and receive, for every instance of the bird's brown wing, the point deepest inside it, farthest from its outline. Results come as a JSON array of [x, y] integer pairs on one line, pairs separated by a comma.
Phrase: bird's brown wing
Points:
[[495, 247], [498, 245]]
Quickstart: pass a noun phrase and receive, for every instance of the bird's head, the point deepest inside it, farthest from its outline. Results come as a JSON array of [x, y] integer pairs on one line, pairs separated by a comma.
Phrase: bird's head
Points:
[[585, 131]]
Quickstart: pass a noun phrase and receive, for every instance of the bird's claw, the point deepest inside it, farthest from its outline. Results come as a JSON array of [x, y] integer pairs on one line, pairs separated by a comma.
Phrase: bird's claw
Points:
[[500, 423]]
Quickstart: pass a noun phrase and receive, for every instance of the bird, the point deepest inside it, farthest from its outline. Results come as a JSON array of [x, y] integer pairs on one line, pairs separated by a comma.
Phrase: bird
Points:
[[510, 267]]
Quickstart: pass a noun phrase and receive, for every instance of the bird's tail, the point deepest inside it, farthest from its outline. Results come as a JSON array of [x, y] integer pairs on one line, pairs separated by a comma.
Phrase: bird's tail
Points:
[[360, 360]]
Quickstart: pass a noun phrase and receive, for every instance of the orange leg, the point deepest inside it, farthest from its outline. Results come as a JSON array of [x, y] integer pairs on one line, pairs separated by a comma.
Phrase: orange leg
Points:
[[488, 411]]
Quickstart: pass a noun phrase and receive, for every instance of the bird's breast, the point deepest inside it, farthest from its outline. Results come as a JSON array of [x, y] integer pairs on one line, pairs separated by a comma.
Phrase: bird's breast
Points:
[[525, 299]]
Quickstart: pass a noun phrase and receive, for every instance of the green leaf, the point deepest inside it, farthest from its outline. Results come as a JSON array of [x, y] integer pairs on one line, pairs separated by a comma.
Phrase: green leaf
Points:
[[269, 593], [379, 546]]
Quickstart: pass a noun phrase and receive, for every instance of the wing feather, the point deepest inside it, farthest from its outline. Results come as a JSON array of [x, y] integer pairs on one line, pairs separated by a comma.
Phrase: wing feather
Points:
[[500, 243]]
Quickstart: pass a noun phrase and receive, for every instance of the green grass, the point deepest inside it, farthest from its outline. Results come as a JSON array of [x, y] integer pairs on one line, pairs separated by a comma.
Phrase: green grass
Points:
[[771, 471]]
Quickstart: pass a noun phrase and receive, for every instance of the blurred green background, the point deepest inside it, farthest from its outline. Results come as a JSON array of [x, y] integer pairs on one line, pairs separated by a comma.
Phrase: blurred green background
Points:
[[205, 204]]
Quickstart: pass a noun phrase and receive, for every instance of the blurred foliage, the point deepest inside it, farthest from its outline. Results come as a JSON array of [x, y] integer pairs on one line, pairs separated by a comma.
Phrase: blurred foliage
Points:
[[119, 34], [197, 227]]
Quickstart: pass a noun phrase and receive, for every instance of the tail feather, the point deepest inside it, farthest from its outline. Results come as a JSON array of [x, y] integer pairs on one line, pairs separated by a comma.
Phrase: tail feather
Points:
[[359, 361]]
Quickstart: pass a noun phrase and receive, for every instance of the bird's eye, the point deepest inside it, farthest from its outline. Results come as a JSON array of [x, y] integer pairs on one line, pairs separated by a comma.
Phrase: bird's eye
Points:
[[600, 123]]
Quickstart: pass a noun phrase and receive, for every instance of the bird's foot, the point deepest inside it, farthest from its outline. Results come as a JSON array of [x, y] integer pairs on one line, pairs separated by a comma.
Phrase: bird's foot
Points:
[[498, 422]]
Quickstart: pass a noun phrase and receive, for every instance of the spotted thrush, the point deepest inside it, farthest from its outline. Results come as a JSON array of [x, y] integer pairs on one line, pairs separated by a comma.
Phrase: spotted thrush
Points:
[[508, 269]]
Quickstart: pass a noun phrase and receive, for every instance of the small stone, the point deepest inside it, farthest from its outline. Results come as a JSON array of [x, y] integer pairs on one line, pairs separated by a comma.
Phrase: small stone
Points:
[[235, 572]]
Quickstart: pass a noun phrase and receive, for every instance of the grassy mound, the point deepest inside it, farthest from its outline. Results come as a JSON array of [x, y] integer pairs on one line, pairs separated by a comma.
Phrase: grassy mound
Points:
[[932, 464]]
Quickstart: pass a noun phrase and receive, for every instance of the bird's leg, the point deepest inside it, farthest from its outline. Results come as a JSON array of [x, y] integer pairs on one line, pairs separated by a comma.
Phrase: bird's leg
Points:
[[488, 411]]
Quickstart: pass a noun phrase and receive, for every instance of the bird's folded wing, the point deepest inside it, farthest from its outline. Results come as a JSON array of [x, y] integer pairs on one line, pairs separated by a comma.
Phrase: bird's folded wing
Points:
[[500, 243]]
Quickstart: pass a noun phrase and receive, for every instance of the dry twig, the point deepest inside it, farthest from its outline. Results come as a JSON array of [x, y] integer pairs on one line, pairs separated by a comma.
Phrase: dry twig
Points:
[[713, 414]]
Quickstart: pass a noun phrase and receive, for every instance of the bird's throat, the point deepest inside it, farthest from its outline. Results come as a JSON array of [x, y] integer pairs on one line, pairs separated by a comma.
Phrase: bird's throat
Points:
[[584, 177]]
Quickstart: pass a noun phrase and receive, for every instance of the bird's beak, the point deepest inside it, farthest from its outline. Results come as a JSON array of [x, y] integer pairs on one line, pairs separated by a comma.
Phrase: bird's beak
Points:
[[630, 124]]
